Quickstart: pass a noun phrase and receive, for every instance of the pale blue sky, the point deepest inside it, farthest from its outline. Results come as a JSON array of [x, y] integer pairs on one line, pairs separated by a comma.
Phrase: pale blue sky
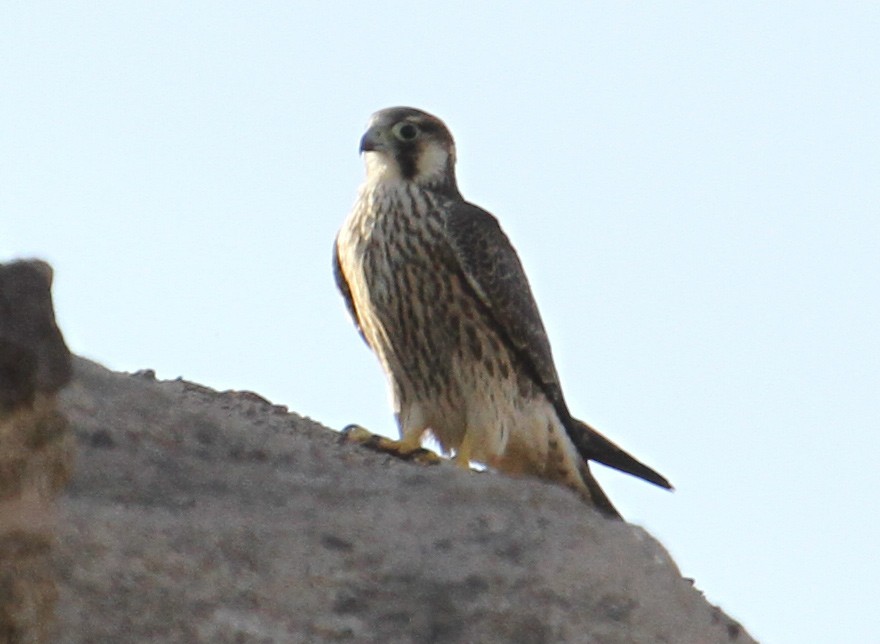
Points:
[[694, 189]]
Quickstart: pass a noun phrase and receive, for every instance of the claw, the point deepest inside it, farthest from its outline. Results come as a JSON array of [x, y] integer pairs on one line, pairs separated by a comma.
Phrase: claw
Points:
[[362, 436]]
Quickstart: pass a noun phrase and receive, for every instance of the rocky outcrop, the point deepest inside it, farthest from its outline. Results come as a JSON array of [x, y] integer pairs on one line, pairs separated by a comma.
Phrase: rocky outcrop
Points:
[[201, 516], [198, 516], [35, 448]]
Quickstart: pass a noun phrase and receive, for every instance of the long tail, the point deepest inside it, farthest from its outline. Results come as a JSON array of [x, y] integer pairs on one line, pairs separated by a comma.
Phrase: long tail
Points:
[[598, 497], [594, 446]]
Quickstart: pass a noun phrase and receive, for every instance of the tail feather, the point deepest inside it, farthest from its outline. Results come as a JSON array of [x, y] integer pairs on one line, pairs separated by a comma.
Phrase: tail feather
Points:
[[598, 497], [594, 446]]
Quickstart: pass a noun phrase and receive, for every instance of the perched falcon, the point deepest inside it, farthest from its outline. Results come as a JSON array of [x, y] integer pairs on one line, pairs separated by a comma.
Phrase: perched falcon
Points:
[[439, 294]]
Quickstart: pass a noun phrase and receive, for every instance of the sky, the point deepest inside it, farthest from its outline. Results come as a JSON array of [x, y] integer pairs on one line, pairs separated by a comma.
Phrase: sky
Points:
[[693, 188]]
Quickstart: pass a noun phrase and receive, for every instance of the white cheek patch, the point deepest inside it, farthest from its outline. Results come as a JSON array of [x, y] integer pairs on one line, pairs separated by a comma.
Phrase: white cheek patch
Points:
[[432, 163]]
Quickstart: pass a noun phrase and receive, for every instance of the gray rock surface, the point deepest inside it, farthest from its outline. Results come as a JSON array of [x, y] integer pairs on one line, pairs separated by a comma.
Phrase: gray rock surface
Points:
[[198, 516]]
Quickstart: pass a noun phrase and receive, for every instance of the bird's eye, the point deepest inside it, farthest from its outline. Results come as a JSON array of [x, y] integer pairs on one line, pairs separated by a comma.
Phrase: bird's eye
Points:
[[406, 131]]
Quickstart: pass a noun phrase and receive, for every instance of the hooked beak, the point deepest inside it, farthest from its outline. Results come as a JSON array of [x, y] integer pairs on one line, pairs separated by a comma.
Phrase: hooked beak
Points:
[[373, 140]]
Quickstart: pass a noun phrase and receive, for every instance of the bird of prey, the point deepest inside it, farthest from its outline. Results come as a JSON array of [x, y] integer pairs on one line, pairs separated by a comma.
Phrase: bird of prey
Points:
[[439, 294]]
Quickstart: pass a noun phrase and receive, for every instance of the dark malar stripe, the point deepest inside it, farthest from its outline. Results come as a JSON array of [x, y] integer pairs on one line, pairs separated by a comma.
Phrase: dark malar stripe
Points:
[[406, 159]]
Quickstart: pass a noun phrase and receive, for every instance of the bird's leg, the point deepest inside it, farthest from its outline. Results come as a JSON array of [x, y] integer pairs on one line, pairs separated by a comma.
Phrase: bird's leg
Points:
[[409, 448], [463, 453]]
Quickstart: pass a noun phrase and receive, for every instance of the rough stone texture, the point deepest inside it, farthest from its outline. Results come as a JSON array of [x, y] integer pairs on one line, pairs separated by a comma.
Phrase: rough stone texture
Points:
[[197, 516], [35, 448]]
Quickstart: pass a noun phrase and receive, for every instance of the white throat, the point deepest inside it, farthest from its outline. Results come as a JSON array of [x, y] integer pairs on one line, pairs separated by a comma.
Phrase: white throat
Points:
[[381, 167]]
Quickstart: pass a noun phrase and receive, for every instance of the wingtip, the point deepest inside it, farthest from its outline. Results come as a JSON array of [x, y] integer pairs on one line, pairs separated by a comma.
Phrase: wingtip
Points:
[[645, 473]]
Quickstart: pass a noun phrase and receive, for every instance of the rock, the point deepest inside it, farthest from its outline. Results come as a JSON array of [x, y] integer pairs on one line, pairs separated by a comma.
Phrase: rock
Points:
[[198, 516], [35, 448]]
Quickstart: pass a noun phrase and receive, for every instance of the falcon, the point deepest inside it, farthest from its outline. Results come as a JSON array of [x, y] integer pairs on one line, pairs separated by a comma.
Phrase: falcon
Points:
[[439, 294]]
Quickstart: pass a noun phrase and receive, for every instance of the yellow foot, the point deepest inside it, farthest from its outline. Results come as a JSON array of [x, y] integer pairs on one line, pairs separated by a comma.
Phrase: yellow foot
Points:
[[417, 454]]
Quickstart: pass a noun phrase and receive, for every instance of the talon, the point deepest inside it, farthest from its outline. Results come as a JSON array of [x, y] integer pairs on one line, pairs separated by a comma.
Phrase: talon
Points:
[[422, 456], [356, 434]]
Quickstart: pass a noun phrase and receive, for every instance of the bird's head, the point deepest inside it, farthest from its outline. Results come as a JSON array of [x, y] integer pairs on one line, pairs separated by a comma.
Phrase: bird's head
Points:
[[403, 143]]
